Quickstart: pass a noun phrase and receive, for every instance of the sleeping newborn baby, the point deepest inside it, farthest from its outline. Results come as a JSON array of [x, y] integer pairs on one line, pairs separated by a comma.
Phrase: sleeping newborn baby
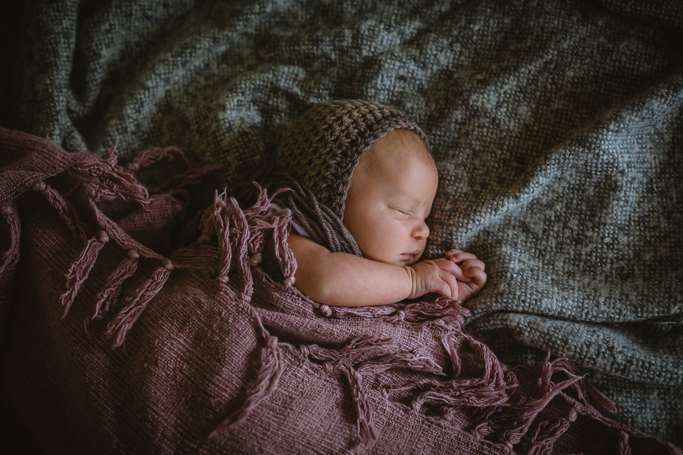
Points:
[[362, 182]]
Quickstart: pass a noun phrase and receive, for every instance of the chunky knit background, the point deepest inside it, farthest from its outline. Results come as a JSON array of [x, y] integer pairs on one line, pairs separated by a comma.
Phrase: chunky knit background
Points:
[[556, 126]]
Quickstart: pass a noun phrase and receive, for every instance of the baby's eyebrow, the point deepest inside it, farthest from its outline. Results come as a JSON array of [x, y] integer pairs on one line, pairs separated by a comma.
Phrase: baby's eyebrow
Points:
[[416, 202]]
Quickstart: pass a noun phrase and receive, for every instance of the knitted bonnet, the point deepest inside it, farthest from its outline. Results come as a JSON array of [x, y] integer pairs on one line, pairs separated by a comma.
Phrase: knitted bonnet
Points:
[[324, 146], [316, 160]]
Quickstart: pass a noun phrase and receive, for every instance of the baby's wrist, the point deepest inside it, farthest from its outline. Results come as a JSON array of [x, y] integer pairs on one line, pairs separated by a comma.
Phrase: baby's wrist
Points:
[[411, 275]]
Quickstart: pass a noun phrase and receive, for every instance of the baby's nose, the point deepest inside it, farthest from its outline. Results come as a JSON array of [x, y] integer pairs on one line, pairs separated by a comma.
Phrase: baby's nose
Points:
[[421, 231]]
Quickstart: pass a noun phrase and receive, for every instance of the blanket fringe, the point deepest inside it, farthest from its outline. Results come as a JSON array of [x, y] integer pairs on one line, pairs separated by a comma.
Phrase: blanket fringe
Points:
[[95, 179], [624, 447], [342, 360], [368, 345], [192, 175], [488, 392], [279, 224], [266, 382], [241, 236], [587, 393], [450, 342], [64, 209], [342, 312], [112, 289], [135, 305], [547, 434], [513, 423], [154, 155], [240, 244], [364, 424], [110, 180], [11, 256], [81, 268], [222, 226], [443, 310], [407, 360]]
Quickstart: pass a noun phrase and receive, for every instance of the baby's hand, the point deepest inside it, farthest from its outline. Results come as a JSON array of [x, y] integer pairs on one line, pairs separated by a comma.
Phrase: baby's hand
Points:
[[459, 276], [437, 276], [471, 276]]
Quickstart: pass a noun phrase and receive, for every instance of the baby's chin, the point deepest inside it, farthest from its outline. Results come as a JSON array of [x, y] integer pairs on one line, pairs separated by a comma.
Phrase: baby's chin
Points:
[[412, 261]]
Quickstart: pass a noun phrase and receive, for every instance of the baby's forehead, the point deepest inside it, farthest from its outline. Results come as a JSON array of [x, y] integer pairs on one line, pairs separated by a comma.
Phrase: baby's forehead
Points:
[[399, 168], [395, 148]]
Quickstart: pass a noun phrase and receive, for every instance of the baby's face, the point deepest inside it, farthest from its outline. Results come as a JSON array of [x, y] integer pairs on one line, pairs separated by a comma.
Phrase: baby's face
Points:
[[391, 194]]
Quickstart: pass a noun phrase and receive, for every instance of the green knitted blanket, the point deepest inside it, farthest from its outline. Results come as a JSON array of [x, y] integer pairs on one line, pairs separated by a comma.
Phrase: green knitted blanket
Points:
[[557, 128]]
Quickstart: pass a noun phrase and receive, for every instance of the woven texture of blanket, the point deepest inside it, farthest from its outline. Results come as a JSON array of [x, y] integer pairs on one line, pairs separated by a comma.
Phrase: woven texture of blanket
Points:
[[220, 359], [557, 127]]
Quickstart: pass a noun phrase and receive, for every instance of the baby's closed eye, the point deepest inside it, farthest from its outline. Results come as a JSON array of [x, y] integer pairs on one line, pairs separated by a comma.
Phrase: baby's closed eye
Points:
[[400, 213]]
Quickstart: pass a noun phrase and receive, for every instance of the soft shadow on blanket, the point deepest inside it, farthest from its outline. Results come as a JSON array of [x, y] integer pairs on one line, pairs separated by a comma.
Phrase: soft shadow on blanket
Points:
[[556, 127]]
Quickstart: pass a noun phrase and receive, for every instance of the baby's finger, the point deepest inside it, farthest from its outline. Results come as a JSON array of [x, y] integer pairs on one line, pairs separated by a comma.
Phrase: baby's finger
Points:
[[478, 276], [462, 256], [472, 264], [451, 268], [440, 287], [450, 283]]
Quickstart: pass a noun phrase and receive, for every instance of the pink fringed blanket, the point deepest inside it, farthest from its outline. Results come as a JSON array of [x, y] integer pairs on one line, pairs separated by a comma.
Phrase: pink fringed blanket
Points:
[[194, 349]]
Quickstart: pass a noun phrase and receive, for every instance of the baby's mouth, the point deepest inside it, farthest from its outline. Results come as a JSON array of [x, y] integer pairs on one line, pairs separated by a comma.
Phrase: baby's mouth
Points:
[[410, 256]]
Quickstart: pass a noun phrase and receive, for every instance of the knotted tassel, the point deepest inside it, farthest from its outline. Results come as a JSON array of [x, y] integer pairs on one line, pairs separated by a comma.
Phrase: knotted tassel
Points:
[[341, 312], [404, 360], [283, 254], [136, 305], [112, 289], [364, 424], [492, 369], [586, 391], [80, 269], [515, 422], [221, 224], [64, 209], [368, 345], [207, 221], [277, 225], [443, 309], [261, 220], [450, 341], [547, 433], [110, 180], [11, 256], [342, 359], [266, 381], [154, 155], [474, 392], [239, 236]]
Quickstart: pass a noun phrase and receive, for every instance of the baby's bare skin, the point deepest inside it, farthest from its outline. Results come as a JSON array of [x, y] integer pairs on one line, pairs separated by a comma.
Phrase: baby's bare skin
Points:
[[391, 195]]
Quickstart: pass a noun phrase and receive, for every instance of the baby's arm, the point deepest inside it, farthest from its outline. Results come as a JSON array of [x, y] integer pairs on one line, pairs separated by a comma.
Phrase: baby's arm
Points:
[[342, 279]]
